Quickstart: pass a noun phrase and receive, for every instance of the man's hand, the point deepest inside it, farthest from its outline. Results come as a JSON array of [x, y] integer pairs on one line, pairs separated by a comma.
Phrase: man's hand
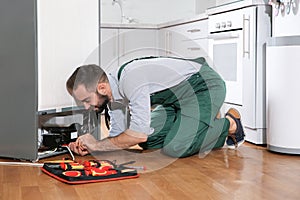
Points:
[[83, 145], [87, 143], [77, 150]]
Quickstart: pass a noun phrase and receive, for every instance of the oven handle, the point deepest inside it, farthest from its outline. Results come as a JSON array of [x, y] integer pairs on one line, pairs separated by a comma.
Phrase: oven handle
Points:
[[224, 35], [244, 37]]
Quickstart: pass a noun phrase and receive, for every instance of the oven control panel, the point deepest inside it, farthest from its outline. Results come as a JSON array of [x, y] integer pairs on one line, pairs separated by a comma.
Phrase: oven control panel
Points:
[[227, 21]]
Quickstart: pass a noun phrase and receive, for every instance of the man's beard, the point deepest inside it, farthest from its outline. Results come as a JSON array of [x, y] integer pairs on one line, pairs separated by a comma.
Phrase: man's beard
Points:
[[101, 107]]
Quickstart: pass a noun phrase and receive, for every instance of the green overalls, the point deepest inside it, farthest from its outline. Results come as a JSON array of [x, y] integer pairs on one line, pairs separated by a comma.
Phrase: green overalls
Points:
[[184, 119]]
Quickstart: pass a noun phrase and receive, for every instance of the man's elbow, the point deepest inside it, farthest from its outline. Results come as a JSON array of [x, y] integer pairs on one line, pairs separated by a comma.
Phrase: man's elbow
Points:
[[138, 137], [143, 139]]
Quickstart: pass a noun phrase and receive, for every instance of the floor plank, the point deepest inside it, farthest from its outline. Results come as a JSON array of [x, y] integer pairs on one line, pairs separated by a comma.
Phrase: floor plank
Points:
[[251, 172]]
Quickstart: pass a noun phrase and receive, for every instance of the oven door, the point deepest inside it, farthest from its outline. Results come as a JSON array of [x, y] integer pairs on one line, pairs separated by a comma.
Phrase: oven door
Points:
[[225, 50]]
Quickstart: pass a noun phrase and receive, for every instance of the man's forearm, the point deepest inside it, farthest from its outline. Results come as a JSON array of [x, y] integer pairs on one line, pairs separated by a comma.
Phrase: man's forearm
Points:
[[122, 141], [106, 144]]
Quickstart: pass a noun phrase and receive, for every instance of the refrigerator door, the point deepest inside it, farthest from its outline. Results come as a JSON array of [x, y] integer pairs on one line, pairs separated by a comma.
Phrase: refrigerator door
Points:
[[18, 73]]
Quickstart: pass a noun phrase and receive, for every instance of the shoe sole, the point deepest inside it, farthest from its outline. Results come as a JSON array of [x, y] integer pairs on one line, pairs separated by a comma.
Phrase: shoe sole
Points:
[[233, 147]]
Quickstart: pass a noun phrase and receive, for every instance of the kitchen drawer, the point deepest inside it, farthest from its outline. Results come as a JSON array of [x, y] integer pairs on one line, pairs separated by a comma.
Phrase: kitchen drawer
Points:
[[192, 30], [189, 48]]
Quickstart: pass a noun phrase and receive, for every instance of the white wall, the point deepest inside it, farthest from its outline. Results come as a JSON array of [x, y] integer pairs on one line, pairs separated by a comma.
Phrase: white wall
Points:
[[152, 11], [202, 5]]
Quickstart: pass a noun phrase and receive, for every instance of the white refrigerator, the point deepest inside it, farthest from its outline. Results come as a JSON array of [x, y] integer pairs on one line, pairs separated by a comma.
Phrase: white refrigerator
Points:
[[41, 43], [283, 94]]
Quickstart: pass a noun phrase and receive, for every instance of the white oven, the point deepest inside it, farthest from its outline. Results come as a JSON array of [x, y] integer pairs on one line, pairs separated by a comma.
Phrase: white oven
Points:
[[237, 42], [226, 49]]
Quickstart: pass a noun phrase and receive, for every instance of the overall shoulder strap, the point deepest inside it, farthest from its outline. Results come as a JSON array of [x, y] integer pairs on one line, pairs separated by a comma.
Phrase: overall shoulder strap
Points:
[[123, 66], [199, 60]]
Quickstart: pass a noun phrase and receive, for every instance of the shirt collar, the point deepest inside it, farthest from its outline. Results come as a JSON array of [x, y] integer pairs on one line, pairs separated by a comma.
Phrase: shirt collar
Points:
[[114, 87]]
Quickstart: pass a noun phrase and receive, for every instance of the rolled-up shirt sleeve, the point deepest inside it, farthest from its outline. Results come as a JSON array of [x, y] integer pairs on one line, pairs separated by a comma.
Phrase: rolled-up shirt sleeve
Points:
[[135, 116], [118, 119]]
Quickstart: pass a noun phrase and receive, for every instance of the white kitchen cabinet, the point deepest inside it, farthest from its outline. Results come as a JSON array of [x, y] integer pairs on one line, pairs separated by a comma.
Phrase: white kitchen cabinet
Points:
[[187, 40], [120, 45], [136, 43]]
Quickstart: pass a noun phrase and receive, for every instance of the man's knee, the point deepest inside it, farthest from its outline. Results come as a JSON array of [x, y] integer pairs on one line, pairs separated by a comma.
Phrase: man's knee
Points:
[[179, 150]]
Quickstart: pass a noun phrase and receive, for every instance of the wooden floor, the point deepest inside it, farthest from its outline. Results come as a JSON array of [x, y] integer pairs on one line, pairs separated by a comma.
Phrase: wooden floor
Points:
[[251, 172]]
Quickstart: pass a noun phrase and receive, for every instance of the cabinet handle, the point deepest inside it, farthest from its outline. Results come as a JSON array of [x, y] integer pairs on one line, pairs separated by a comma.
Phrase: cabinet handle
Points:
[[167, 43], [194, 30], [194, 48]]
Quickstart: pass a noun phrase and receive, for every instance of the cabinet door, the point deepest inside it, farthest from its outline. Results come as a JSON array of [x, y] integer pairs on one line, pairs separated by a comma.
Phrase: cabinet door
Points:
[[189, 48], [186, 40], [109, 48], [192, 30], [252, 81], [136, 43]]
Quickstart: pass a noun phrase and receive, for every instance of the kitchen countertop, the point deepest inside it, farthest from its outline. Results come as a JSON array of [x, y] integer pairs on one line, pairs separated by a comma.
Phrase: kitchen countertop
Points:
[[198, 17]]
